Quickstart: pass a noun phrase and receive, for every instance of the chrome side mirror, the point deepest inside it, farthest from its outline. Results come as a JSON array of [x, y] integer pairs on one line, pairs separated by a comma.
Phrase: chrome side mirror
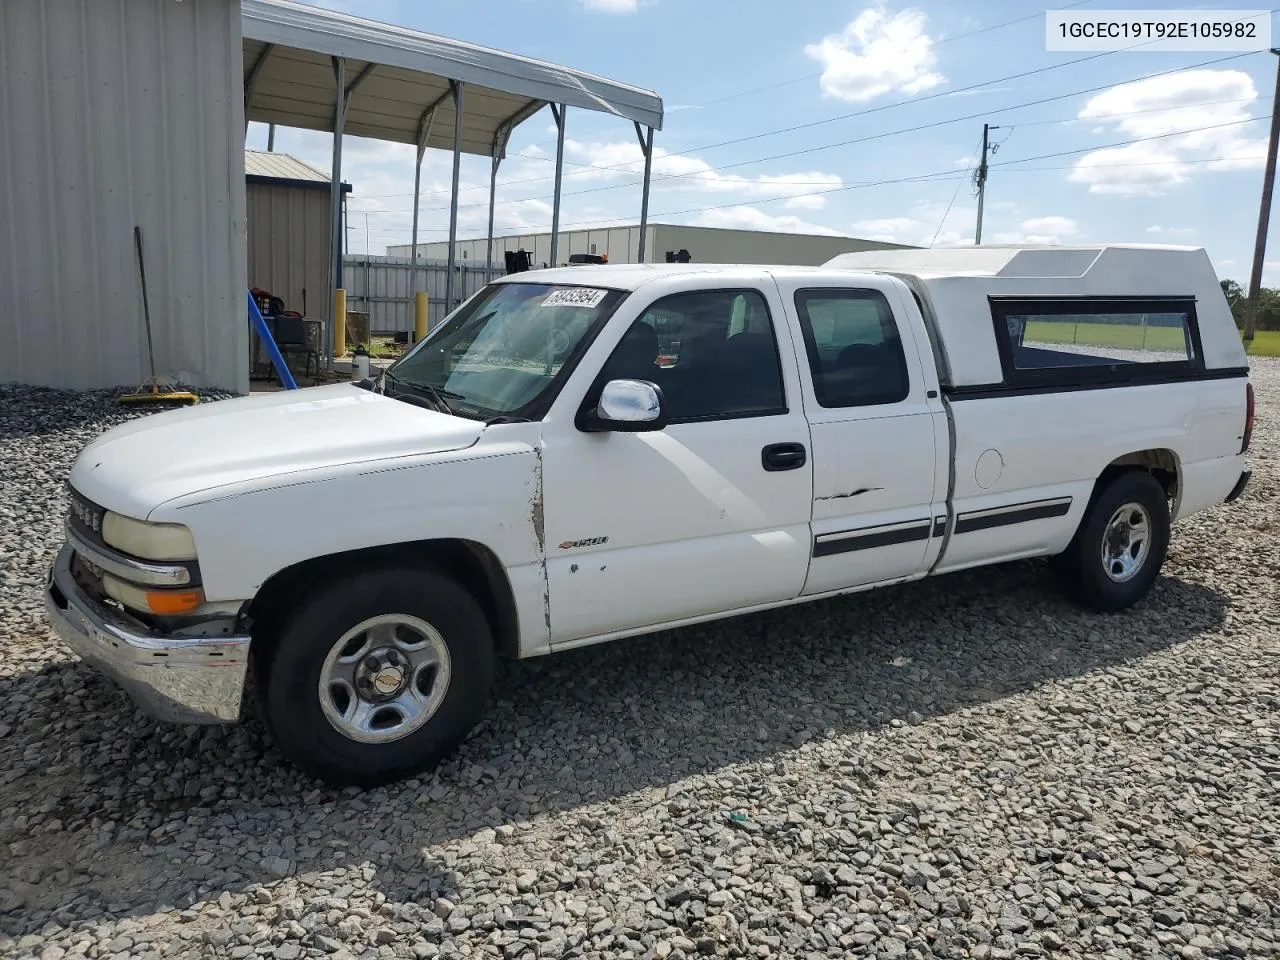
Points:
[[629, 406]]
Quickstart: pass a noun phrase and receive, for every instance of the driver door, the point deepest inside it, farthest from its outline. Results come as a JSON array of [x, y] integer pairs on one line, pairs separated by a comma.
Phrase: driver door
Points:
[[710, 513]]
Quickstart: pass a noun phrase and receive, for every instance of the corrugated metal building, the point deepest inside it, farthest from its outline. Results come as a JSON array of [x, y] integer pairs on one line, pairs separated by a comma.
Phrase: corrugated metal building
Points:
[[705, 245], [116, 113], [288, 204]]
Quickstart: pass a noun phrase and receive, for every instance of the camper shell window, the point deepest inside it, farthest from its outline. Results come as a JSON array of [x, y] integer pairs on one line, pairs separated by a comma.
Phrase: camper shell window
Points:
[[1067, 342]]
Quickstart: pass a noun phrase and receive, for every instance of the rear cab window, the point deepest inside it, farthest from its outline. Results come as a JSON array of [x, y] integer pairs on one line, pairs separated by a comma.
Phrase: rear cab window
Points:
[[853, 347]]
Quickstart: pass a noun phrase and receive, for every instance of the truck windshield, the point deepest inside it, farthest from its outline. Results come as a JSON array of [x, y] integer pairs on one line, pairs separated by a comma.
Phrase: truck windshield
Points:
[[504, 353]]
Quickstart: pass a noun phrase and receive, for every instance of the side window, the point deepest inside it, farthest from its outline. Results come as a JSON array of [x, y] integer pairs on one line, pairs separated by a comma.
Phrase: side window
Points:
[[1065, 341], [855, 353], [712, 352]]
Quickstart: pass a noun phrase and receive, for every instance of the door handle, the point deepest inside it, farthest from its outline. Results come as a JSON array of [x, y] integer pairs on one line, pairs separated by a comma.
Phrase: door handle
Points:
[[783, 456]]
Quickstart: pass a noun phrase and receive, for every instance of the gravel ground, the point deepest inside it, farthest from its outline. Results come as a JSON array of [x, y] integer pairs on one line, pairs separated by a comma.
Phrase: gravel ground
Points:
[[965, 768]]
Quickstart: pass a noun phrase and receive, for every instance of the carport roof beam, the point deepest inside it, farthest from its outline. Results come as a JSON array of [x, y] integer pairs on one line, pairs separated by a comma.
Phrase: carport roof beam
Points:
[[294, 86]]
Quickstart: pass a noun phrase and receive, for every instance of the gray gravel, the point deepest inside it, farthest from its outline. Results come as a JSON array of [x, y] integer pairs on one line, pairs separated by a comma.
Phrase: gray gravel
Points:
[[965, 768]]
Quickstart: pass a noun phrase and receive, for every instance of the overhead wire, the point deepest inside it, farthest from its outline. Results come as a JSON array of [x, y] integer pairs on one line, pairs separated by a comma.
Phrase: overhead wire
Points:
[[887, 106], [705, 175], [946, 213], [814, 76], [942, 93], [936, 175], [1022, 123]]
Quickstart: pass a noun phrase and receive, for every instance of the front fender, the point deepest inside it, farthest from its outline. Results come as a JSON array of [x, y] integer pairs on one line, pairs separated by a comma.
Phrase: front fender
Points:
[[490, 494]]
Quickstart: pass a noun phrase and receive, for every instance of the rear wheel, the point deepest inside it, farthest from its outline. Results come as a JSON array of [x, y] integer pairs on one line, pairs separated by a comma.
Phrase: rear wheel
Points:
[[1120, 547], [378, 677]]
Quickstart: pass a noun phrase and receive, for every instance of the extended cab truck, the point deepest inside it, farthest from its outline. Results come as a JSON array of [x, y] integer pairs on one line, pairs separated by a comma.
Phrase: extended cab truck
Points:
[[529, 478]]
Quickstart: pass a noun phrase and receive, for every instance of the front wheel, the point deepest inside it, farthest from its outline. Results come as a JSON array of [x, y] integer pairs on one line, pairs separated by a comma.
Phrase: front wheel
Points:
[[1117, 553], [378, 676]]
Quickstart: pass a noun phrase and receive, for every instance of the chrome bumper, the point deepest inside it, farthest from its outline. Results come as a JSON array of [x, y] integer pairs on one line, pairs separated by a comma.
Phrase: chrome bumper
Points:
[[175, 678]]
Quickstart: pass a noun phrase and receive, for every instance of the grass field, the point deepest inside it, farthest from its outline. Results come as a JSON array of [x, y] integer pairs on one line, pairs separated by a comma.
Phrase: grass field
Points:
[[1266, 343]]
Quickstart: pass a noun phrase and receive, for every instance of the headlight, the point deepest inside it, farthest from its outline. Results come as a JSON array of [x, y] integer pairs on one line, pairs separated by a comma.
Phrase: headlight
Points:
[[149, 541]]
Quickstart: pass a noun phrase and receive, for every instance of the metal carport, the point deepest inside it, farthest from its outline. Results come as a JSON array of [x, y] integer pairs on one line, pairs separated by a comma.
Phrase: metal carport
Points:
[[319, 70]]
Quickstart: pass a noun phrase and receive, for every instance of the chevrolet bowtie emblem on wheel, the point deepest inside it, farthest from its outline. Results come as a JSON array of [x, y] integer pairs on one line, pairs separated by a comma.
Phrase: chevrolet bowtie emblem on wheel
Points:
[[574, 544]]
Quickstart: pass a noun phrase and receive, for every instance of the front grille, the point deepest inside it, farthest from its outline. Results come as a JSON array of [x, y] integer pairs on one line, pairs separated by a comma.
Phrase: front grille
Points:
[[87, 517]]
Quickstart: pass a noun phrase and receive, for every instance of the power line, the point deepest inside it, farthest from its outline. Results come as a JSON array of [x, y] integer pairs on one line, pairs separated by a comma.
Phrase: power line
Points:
[[900, 103], [815, 76], [946, 213], [704, 175], [1021, 123], [1141, 163], [944, 93], [940, 175]]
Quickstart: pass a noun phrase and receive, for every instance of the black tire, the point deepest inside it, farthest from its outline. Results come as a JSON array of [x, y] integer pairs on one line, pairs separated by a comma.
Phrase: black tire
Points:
[[1083, 563], [290, 699]]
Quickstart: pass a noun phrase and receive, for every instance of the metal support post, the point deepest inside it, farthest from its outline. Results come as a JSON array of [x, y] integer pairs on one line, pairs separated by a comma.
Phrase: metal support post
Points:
[[413, 247], [646, 146], [456, 86], [1264, 217], [559, 114], [251, 81], [500, 139], [493, 189], [425, 121], [335, 190]]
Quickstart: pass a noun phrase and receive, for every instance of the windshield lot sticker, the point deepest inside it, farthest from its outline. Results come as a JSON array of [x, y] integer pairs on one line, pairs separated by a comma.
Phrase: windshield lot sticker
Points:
[[574, 297]]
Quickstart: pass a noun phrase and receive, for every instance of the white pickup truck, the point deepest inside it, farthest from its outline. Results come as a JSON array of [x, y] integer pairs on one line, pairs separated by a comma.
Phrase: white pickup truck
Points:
[[580, 455]]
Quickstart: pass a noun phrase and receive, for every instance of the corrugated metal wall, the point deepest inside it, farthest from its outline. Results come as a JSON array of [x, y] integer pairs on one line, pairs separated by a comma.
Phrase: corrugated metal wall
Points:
[[384, 287], [116, 112], [289, 245], [705, 245], [717, 245], [619, 243]]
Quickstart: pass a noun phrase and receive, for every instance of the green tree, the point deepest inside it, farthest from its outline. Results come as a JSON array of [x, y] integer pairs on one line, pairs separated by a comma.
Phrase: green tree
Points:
[[1268, 304]]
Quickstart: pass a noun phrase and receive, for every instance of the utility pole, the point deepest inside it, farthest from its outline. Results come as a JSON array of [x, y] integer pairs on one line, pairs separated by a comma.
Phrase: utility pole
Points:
[[1264, 216], [981, 179]]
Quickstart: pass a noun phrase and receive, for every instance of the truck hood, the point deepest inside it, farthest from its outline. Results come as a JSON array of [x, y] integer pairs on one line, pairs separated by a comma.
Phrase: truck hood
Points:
[[134, 468]]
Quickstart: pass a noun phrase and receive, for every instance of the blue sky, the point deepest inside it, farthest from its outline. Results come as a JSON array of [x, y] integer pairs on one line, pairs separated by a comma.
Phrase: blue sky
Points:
[[709, 60]]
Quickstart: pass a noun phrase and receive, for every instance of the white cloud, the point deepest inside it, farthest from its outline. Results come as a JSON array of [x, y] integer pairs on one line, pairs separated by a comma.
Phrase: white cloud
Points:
[[887, 229], [1056, 225], [382, 176], [610, 6], [949, 238], [877, 53], [1160, 231], [623, 159], [1042, 230], [749, 218], [1159, 106]]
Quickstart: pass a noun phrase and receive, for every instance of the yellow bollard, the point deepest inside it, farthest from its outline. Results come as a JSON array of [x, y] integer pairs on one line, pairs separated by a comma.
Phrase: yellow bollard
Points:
[[339, 322], [419, 316]]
